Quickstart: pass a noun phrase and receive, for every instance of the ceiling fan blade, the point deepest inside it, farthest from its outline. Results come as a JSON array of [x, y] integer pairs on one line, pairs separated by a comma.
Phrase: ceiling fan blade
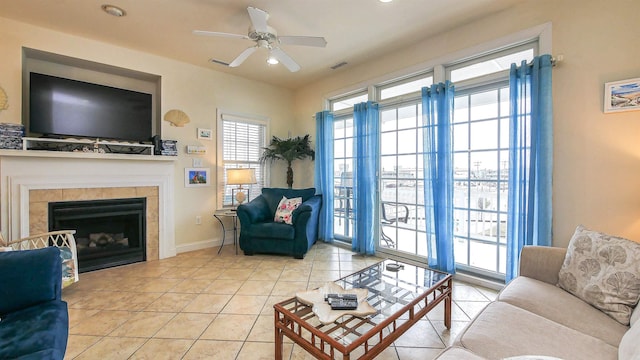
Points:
[[316, 41], [243, 56], [221, 34], [285, 59], [258, 19]]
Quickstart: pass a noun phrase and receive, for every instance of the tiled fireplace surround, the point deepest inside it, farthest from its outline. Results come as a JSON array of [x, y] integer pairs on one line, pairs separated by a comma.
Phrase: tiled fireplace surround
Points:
[[39, 207], [30, 180]]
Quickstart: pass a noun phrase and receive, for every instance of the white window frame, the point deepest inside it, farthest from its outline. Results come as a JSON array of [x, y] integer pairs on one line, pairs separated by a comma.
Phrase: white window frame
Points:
[[348, 98], [409, 95], [493, 76], [220, 169], [468, 179], [343, 196], [542, 34]]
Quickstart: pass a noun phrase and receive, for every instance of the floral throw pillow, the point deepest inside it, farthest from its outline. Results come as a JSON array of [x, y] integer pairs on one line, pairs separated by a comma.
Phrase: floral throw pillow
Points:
[[604, 271], [285, 209]]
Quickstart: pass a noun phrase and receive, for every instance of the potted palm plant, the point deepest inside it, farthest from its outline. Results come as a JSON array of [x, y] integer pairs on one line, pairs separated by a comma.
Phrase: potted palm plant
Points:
[[288, 150]]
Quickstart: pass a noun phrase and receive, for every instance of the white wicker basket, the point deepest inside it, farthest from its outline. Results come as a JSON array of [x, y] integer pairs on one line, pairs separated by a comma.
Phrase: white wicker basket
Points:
[[62, 239]]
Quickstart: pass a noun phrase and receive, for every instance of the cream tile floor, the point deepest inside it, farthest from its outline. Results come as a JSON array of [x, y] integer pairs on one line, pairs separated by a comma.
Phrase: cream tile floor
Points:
[[200, 305]]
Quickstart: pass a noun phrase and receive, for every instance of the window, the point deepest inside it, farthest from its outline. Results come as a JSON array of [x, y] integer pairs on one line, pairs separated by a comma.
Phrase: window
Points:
[[398, 188], [343, 133], [402, 210], [480, 160], [347, 102], [491, 64], [241, 142], [343, 178], [404, 87]]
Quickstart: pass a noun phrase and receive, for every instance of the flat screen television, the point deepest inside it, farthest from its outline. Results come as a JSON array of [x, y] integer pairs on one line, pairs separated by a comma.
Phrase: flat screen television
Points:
[[70, 108]]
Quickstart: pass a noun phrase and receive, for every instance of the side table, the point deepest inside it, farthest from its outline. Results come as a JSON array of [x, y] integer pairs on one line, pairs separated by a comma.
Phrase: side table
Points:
[[219, 215]]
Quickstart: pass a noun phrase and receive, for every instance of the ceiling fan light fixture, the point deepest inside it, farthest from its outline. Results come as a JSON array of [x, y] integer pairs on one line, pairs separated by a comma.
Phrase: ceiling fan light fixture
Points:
[[113, 10], [266, 38], [271, 60]]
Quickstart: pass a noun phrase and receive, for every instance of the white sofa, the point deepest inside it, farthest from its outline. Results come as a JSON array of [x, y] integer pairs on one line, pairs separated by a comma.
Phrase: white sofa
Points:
[[535, 319]]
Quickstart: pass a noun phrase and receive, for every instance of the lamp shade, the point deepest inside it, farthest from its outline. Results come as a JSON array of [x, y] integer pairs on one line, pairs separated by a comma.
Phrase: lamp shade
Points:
[[241, 176]]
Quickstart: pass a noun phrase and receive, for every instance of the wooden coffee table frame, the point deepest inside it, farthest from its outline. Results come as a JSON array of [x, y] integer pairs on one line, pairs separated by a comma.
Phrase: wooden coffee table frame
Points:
[[292, 319]]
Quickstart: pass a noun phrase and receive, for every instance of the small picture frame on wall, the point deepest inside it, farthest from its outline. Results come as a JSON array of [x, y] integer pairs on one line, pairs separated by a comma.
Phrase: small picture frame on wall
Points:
[[205, 134], [196, 177], [622, 95]]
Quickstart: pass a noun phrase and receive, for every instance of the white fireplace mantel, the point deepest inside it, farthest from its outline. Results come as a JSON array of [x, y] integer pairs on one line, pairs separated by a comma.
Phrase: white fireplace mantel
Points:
[[22, 171]]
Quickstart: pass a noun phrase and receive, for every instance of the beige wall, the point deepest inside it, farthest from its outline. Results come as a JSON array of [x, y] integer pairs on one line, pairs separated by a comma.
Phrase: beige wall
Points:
[[596, 155], [198, 91], [596, 167]]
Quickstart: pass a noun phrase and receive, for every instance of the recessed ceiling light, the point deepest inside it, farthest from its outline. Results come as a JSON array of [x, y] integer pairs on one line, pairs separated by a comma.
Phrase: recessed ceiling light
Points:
[[385, 1], [113, 10]]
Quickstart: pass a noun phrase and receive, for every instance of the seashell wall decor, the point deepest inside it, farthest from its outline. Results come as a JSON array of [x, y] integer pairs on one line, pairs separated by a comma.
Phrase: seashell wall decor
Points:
[[4, 100], [176, 117]]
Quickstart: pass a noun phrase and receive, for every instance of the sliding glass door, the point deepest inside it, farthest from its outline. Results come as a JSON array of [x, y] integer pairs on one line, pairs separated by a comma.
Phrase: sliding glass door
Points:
[[343, 213], [402, 216]]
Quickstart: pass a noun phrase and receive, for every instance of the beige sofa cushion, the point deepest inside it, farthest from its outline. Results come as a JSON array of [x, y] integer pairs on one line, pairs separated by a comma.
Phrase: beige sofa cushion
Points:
[[603, 270], [555, 304], [502, 330], [542, 262]]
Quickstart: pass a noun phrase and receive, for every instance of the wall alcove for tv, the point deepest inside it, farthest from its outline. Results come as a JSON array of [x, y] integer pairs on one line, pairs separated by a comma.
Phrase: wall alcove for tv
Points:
[[62, 66]]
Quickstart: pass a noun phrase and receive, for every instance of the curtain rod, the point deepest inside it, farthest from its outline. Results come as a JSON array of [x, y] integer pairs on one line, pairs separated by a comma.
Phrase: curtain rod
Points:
[[554, 60]]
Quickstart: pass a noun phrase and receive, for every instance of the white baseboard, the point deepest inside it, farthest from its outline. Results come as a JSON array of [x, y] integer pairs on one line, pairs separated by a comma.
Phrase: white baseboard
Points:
[[478, 281], [205, 244]]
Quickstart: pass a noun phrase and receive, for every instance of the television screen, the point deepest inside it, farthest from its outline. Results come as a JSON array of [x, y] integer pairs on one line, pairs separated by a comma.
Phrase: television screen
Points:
[[65, 107]]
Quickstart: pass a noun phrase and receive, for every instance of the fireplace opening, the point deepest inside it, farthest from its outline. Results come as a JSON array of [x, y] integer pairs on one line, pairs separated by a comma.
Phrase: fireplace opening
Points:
[[108, 232]]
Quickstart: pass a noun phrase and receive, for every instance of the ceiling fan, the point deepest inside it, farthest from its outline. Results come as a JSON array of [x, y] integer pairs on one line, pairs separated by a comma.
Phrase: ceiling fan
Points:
[[266, 37]]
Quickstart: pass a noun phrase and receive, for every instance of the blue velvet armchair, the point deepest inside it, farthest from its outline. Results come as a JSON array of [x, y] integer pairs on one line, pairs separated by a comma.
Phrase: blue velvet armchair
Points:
[[259, 233], [34, 321]]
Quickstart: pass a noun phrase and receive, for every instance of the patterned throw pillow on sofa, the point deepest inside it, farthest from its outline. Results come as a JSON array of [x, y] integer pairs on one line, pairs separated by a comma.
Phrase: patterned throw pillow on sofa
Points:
[[285, 209], [604, 271]]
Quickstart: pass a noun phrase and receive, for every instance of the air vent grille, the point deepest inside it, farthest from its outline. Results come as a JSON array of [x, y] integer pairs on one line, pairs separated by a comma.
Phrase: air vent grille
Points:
[[339, 65], [219, 62]]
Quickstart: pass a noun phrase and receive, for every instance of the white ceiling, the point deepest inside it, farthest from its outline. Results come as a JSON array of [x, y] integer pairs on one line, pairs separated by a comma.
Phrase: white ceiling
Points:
[[355, 30]]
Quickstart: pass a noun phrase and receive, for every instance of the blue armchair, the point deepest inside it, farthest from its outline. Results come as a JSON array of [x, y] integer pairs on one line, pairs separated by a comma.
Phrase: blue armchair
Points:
[[35, 320], [259, 233]]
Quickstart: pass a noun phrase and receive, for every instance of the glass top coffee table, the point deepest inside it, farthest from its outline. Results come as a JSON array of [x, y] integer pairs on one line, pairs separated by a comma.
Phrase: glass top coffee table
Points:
[[401, 298]]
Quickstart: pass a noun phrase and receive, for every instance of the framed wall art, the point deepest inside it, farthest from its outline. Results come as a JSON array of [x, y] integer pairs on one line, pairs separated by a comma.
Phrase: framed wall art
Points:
[[622, 95], [205, 134], [196, 177]]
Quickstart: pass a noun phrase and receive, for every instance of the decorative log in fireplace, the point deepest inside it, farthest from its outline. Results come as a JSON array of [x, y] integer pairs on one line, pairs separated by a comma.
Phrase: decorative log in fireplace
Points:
[[108, 232]]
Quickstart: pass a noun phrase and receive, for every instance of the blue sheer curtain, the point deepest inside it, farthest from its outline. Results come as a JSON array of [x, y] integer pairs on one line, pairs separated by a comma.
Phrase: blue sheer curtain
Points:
[[323, 176], [437, 114], [366, 124], [530, 159]]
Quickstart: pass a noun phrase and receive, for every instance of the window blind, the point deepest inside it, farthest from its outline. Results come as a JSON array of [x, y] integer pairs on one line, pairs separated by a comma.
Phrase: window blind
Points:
[[242, 145]]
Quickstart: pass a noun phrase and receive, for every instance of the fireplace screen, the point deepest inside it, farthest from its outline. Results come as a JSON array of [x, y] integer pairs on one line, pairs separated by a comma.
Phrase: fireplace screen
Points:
[[108, 232]]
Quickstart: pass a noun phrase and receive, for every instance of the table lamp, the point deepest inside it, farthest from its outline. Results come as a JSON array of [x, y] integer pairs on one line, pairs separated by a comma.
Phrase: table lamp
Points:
[[240, 176]]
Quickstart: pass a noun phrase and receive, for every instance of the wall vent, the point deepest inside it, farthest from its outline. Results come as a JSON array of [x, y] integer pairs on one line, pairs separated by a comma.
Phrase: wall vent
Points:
[[219, 62], [339, 65]]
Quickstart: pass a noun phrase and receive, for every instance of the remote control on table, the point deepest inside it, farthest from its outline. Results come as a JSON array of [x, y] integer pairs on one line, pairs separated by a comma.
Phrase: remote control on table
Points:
[[332, 297], [341, 304]]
